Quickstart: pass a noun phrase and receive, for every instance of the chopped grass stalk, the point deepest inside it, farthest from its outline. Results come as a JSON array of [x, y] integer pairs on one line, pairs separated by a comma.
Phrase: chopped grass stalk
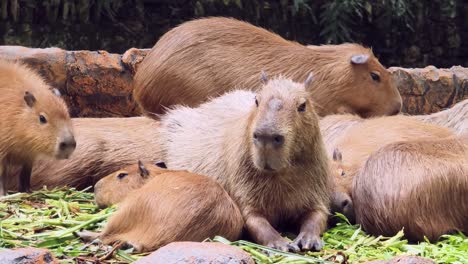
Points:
[[50, 218]]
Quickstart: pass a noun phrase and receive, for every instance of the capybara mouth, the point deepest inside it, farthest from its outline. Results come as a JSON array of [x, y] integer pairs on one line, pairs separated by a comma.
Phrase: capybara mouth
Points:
[[63, 155]]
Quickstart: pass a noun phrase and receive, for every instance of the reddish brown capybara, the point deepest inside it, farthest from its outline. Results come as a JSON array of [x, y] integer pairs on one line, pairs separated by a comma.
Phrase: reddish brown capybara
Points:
[[104, 146], [266, 150], [360, 140], [207, 57], [419, 185], [34, 122], [455, 118], [113, 188], [171, 206]]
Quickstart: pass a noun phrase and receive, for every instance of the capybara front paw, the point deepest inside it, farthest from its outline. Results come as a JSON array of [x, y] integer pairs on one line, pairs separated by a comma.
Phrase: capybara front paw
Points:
[[283, 245], [306, 242]]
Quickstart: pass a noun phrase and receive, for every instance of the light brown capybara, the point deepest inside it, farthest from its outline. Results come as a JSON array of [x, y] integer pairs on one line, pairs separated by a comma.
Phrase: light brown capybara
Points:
[[455, 118], [113, 188], [34, 122], [171, 206], [207, 57], [361, 139], [104, 146], [266, 150], [419, 185]]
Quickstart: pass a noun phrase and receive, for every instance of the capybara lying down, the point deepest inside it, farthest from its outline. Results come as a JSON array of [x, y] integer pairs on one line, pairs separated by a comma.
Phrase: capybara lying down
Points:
[[34, 122], [113, 188], [455, 118], [419, 185], [104, 146], [266, 150], [360, 140], [207, 57], [171, 206]]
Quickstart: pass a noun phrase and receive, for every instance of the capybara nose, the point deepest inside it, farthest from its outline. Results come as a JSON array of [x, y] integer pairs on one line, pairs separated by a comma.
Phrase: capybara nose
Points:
[[276, 140], [68, 144], [396, 109], [342, 203]]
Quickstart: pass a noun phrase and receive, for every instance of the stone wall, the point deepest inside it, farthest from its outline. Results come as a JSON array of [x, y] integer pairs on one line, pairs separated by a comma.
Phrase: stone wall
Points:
[[99, 84]]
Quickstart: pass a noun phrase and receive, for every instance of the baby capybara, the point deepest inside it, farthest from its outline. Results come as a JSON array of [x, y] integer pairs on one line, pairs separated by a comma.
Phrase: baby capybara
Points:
[[266, 150], [419, 185], [361, 139], [113, 188], [207, 57], [34, 122], [171, 206]]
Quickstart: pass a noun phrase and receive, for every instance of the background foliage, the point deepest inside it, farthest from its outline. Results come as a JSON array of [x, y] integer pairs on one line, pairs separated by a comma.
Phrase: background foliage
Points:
[[408, 33]]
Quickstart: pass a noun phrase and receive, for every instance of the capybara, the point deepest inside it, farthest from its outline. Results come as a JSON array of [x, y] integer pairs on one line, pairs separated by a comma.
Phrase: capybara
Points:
[[172, 206], [34, 122], [360, 140], [113, 188], [207, 57], [104, 146], [455, 118], [419, 185], [266, 150]]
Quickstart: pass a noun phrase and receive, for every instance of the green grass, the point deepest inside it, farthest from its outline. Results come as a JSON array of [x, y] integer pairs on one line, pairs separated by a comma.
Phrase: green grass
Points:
[[49, 219]]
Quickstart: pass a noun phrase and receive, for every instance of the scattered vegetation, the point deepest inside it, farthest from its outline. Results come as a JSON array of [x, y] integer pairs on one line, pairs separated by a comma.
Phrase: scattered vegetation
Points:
[[50, 218]]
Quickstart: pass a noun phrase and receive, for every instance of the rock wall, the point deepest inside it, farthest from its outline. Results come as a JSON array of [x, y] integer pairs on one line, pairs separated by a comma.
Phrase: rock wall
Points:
[[99, 84]]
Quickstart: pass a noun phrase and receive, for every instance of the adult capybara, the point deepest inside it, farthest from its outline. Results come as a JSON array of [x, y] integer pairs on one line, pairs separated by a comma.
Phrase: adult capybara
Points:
[[34, 122], [455, 118], [266, 150], [113, 188], [360, 140], [104, 146], [172, 206], [207, 57], [419, 185]]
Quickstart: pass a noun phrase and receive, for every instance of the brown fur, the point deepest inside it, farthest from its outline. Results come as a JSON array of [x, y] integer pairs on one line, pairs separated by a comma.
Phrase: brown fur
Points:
[[172, 206], [104, 146], [273, 185], [421, 185], [455, 118], [361, 139], [25, 99], [207, 57]]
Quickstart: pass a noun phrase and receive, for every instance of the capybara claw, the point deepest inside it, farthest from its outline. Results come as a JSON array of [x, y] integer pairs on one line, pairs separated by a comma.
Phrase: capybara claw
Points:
[[308, 242]]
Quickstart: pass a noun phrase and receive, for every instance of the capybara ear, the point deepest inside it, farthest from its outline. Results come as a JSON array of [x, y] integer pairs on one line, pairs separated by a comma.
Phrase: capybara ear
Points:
[[263, 77], [161, 164], [29, 99], [309, 79], [142, 169], [359, 58], [337, 156], [56, 92]]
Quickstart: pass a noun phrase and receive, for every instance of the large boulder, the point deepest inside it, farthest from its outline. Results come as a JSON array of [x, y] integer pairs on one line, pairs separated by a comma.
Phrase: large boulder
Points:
[[197, 253], [99, 84]]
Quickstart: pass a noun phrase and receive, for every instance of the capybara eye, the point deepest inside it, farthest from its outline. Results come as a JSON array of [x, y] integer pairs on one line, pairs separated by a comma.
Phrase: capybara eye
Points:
[[42, 119], [343, 173], [375, 76], [256, 101], [122, 175], [301, 107]]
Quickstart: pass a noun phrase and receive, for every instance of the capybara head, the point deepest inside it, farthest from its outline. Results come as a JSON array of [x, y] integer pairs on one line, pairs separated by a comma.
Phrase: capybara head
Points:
[[113, 188], [283, 109], [41, 120], [48, 121], [341, 201], [367, 87]]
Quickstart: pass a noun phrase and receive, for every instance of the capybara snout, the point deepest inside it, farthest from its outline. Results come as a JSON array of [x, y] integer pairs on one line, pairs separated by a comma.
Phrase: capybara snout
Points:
[[66, 146]]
